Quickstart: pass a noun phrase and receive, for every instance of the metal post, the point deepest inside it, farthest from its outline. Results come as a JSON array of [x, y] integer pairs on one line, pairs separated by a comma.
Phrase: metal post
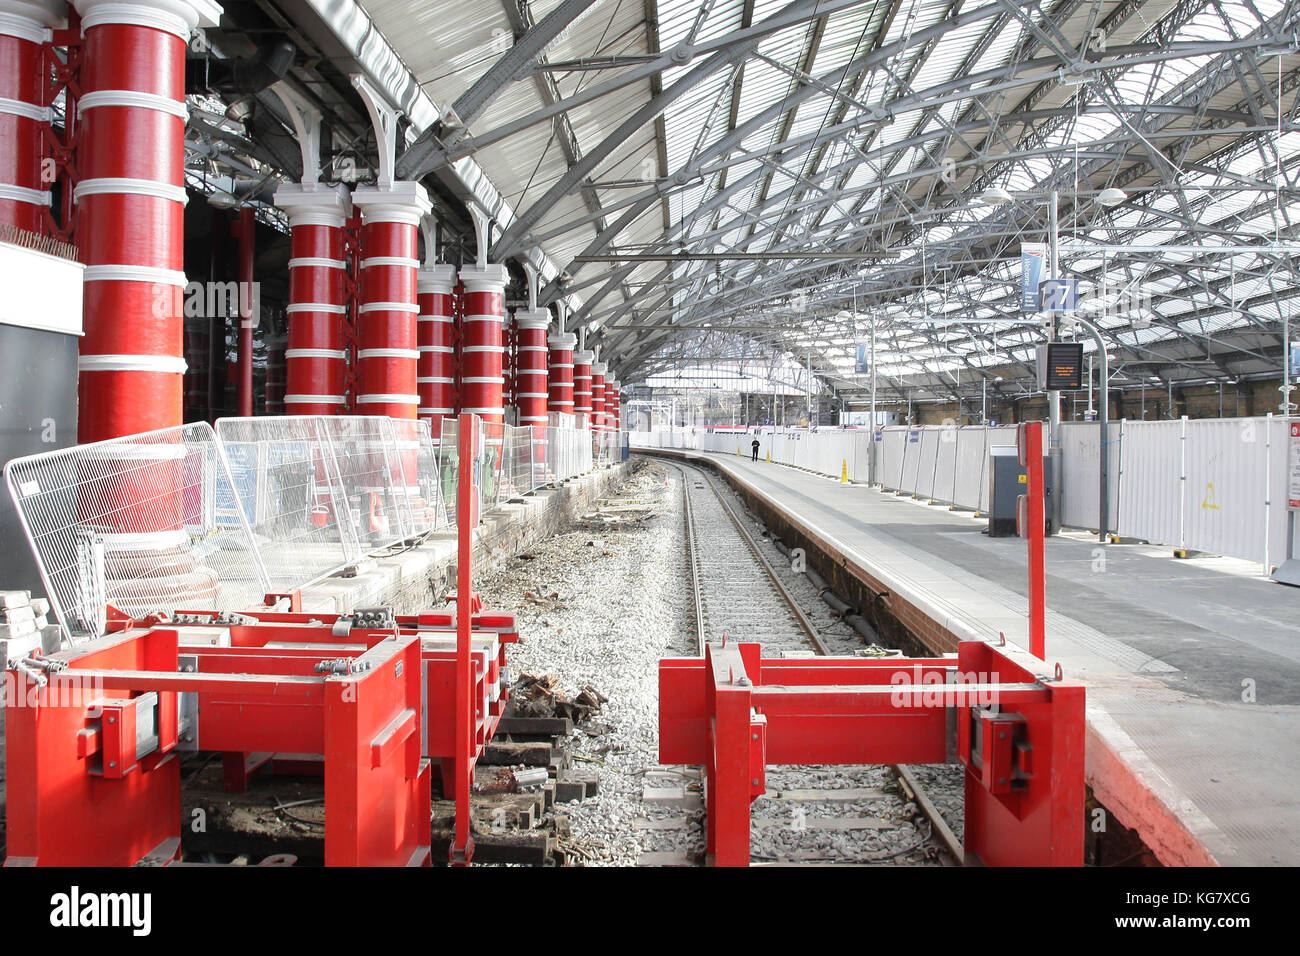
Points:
[[244, 385], [1054, 397], [873, 398], [462, 848]]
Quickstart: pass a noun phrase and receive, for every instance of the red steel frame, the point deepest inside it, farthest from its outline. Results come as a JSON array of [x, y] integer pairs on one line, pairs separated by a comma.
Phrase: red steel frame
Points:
[[258, 693], [1019, 733], [81, 792]]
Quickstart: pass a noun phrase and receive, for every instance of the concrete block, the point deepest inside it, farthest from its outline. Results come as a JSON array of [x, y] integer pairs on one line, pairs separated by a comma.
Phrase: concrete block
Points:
[[15, 599]]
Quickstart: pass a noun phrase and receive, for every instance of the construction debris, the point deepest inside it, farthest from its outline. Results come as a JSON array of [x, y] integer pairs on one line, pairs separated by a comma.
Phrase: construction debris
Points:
[[540, 696]]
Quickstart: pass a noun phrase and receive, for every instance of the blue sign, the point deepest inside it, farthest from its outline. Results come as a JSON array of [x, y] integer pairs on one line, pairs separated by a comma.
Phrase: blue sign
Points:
[[914, 435], [1033, 257], [1059, 295], [863, 364]]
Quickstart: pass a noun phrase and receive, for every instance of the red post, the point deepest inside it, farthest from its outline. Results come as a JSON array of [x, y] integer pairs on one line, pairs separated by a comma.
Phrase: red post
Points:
[[247, 237], [462, 848], [1029, 442]]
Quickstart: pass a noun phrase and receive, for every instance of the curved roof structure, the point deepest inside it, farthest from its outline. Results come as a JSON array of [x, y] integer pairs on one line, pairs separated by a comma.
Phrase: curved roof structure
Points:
[[710, 179]]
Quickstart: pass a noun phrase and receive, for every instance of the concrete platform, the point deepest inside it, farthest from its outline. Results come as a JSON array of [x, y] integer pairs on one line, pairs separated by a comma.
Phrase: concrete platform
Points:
[[1192, 666]]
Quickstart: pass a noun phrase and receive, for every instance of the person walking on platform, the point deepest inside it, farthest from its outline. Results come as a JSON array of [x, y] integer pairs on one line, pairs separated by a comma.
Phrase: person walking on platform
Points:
[[754, 445]]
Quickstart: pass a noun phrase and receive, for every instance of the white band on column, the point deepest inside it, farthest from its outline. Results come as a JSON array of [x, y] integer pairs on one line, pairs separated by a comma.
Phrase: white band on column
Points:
[[40, 114], [125, 273], [314, 400], [294, 307], [401, 261], [316, 353], [113, 186], [167, 364], [389, 307], [134, 99], [388, 398], [319, 262], [388, 353], [36, 197]]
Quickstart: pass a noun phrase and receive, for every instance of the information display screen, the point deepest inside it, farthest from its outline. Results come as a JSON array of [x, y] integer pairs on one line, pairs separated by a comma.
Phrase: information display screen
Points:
[[1064, 366]]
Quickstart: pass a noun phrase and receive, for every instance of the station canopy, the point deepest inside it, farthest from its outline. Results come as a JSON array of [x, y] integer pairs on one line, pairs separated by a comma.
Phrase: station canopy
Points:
[[767, 181]]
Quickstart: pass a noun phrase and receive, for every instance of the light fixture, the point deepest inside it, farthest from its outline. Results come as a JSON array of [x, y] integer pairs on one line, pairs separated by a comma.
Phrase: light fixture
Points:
[[1111, 197], [995, 196]]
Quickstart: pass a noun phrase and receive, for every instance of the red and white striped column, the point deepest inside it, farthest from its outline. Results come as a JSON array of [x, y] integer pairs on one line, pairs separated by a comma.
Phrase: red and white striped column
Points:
[[530, 374], [387, 342], [582, 387], [598, 370], [613, 411], [131, 204], [24, 26], [560, 367], [316, 357], [481, 341], [436, 375]]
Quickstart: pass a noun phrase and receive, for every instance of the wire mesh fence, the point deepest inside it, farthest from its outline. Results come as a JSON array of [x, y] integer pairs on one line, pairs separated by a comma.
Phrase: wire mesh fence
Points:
[[516, 462], [193, 517], [146, 523], [287, 479], [372, 471]]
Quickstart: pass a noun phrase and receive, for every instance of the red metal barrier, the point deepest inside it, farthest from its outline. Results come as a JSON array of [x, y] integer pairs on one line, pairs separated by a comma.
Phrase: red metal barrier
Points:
[[1018, 731], [93, 735]]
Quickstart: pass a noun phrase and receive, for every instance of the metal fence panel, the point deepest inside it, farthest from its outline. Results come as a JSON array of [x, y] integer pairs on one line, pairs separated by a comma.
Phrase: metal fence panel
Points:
[[1149, 500], [373, 477], [287, 479], [945, 466], [146, 523]]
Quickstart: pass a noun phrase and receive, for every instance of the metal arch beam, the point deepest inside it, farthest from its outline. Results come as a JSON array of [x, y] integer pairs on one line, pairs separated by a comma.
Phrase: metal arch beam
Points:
[[414, 163], [562, 187], [803, 91], [677, 57]]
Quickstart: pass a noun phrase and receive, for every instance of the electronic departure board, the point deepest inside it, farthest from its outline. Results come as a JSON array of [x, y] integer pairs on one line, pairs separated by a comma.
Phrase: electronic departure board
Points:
[[1060, 366]]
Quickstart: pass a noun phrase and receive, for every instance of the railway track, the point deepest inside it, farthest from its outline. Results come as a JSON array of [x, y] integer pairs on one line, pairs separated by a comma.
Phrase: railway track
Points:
[[739, 594]]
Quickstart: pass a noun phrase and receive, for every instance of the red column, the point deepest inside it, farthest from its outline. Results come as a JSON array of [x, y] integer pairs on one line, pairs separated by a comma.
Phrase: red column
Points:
[[560, 367], [436, 375], [613, 413], [23, 28], [387, 343], [316, 359], [531, 396], [598, 396], [131, 201], [582, 386], [481, 342]]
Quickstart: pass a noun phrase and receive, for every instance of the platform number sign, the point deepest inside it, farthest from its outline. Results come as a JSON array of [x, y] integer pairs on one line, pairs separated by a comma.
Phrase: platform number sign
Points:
[[1293, 473]]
